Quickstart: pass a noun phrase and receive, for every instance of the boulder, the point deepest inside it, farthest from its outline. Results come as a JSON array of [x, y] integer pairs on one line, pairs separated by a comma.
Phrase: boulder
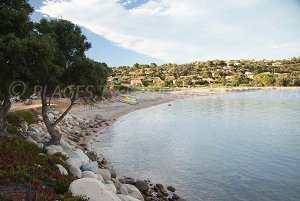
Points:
[[33, 129], [62, 170], [75, 171], [66, 146], [175, 197], [29, 139], [39, 118], [105, 174], [113, 173], [117, 184], [92, 155], [55, 147], [75, 162], [171, 188], [91, 166], [89, 174], [128, 180], [51, 117], [99, 117], [126, 198], [100, 178], [92, 189], [134, 192], [111, 187], [74, 123], [142, 186], [68, 116], [78, 153], [41, 145], [24, 127]]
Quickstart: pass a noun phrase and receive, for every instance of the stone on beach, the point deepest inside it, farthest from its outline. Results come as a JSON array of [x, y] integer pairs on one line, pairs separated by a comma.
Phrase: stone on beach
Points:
[[75, 162], [128, 180], [105, 174], [92, 155], [91, 166], [111, 187], [92, 189], [126, 198], [142, 186], [99, 117], [62, 170], [29, 139], [133, 191], [171, 188], [75, 171], [89, 174], [79, 154]]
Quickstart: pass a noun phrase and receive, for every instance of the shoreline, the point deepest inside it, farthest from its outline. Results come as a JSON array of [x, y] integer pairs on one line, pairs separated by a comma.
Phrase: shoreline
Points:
[[111, 110]]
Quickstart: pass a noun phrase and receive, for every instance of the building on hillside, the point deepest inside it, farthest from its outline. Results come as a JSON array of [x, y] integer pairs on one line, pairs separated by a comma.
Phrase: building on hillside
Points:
[[136, 82], [157, 80], [228, 77], [249, 75], [209, 80], [113, 80]]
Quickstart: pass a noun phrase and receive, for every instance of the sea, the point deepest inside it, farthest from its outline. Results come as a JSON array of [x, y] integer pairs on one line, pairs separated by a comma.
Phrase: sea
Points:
[[230, 147]]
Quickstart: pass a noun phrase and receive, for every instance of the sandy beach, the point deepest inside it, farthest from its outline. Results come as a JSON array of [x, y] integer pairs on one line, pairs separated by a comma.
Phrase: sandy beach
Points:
[[110, 110]]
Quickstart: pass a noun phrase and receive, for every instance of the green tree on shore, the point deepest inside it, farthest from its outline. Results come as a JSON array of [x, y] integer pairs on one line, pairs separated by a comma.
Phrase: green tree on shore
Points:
[[15, 27], [50, 54]]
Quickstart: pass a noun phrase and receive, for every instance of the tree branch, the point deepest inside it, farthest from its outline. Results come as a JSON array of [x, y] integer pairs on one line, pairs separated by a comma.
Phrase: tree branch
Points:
[[73, 99]]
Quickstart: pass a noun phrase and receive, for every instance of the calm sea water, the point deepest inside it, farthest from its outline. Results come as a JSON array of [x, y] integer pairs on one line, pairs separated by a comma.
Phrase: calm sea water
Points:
[[243, 146]]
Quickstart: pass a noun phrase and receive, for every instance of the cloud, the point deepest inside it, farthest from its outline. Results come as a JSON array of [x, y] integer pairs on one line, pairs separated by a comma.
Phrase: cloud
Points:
[[181, 31]]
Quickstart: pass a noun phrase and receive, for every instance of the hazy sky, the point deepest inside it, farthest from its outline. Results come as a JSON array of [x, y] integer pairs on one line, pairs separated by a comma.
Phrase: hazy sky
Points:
[[123, 32]]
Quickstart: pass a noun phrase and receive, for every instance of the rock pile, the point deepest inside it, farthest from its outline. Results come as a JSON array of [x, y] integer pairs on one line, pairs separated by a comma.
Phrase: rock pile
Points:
[[96, 181]]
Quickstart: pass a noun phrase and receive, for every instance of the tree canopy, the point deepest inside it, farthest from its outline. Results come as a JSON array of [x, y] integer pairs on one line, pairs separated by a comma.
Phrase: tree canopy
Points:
[[50, 54]]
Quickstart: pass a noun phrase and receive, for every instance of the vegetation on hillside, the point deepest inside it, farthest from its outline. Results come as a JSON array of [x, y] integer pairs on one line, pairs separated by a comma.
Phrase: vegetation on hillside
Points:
[[29, 169], [214, 73]]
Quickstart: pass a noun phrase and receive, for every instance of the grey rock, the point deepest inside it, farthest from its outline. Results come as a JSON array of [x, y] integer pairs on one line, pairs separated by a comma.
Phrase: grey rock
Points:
[[142, 186]]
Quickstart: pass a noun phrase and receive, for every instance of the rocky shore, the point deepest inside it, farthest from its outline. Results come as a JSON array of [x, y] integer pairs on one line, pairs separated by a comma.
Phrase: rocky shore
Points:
[[97, 180]]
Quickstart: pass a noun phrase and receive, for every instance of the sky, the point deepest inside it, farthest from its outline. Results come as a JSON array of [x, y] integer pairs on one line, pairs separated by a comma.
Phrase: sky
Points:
[[124, 32]]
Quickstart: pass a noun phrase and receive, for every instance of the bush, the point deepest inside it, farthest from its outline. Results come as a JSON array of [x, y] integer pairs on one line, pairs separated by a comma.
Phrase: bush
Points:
[[15, 118], [26, 164]]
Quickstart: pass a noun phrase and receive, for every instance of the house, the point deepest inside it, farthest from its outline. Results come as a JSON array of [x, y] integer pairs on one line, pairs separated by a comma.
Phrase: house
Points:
[[157, 80], [113, 80], [209, 80], [229, 77], [249, 75], [136, 82]]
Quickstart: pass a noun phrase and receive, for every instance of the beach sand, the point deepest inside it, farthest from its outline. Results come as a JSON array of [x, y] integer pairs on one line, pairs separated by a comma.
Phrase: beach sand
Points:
[[112, 109]]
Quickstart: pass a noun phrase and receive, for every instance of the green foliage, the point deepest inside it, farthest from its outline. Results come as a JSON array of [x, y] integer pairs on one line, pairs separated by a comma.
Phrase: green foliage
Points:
[[25, 163], [14, 15], [15, 118], [263, 80], [265, 72]]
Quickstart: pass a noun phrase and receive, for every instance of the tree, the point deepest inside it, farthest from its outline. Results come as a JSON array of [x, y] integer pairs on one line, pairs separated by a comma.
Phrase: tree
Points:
[[14, 15], [70, 41], [15, 26], [68, 63]]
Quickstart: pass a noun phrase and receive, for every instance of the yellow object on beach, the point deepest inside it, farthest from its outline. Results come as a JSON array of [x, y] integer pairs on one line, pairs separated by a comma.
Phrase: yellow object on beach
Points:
[[129, 100]]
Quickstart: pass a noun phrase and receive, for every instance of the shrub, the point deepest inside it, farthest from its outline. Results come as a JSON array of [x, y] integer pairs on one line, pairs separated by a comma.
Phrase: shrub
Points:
[[14, 118], [24, 163]]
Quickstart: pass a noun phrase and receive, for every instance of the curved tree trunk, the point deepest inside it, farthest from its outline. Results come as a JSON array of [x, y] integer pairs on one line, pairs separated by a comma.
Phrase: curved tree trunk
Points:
[[54, 133], [4, 109]]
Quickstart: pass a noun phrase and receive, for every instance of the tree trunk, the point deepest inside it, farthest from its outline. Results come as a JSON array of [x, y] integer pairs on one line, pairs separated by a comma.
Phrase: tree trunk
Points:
[[55, 134], [4, 109]]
